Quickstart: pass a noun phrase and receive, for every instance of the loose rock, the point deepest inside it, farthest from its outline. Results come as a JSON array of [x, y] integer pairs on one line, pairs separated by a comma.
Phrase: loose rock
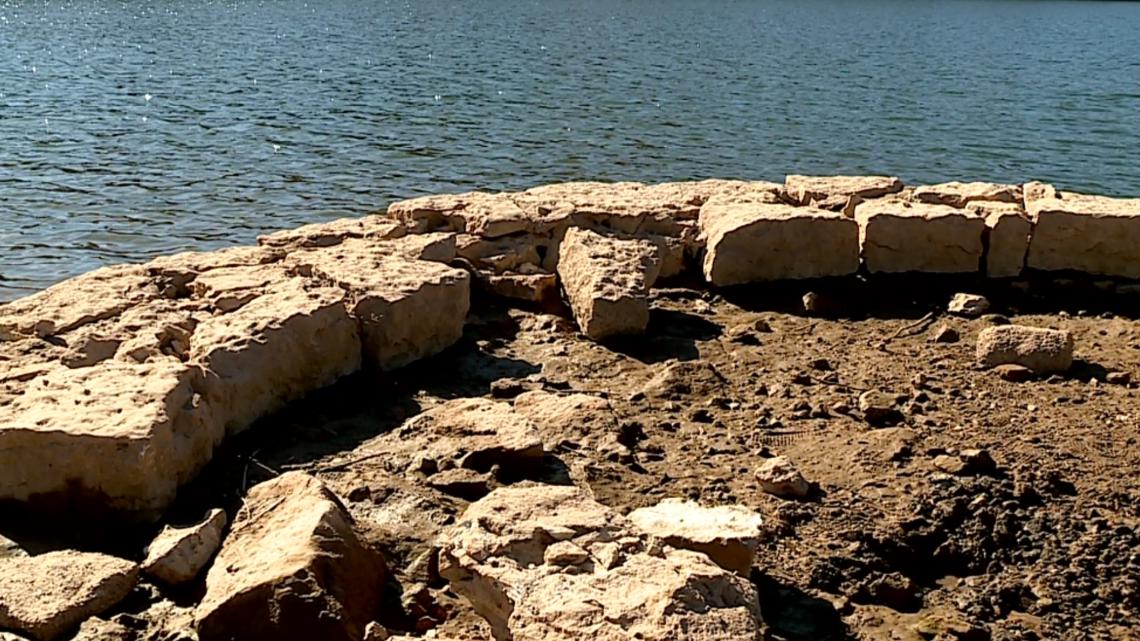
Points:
[[729, 535], [778, 476], [946, 334], [968, 305], [879, 409], [177, 556], [1044, 351], [48, 595]]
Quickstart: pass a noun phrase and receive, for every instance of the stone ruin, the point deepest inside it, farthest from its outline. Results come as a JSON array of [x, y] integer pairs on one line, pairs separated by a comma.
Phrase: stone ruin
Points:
[[117, 386]]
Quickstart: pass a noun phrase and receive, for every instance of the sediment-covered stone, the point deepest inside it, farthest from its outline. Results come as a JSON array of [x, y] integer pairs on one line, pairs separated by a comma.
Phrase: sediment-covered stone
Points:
[[1042, 350], [959, 194], [607, 281], [49, 595], [898, 236], [728, 534], [1009, 230], [334, 232], [178, 555], [548, 562], [407, 309], [834, 192], [116, 435], [291, 568], [755, 241], [1091, 234], [275, 349]]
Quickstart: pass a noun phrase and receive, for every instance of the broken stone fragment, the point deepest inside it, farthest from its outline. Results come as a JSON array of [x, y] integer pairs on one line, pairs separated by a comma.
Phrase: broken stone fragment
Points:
[[607, 281], [478, 213], [898, 236], [292, 568], [96, 629], [779, 477], [968, 305], [1009, 233], [749, 242], [229, 288], [1044, 351], [334, 232], [728, 534], [945, 334], [515, 556], [406, 309], [49, 595], [499, 255], [960, 194], [533, 288], [275, 349], [178, 555], [805, 190], [1091, 234], [879, 409]]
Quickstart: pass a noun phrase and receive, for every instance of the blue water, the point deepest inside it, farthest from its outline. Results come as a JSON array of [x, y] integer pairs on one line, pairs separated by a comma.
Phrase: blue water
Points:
[[131, 128]]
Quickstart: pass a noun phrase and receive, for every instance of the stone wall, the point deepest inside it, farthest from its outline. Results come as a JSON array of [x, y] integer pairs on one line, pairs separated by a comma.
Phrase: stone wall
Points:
[[117, 385]]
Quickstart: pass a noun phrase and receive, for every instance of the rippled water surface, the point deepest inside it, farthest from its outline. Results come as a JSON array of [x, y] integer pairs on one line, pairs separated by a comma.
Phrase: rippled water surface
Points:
[[131, 128]]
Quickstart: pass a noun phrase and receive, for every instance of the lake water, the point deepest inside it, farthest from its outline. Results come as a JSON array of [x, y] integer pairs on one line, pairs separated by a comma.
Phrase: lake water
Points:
[[130, 129]]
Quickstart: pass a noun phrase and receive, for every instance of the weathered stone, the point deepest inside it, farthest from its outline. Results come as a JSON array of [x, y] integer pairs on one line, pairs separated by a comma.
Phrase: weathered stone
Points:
[[173, 274], [1042, 350], [96, 295], [879, 409], [406, 309], [534, 288], [273, 350], [291, 568], [1091, 234], [178, 555], [96, 629], [728, 534], [9, 548], [227, 289], [1009, 231], [478, 213], [606, 280], [945, 334], [1035, 190], [778, 476], [470, 433], [499, 255], [748, 242], [115, 436], [583, 418], [49, 595], [805, 190], [898, 236], [959, 194], [968, 305], [1014, 373], [334, 232], [513, 557]]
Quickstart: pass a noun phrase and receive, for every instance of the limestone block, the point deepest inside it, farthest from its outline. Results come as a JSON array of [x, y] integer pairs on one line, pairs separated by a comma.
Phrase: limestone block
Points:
[[749, 241], [49, 595], [178, 555], [174, 273], [546, 562], [532, 287], [277, 348], [806, 190], [229, 288], [1091, 234], [606, 280], [478, 213], [898, 236], [1035, 190], [1042, 350], [499, 255], [728, 534], [94, 296], [114, 436], [407, 309], [292, 568], [959, 194], [334, 232], [1009, 229]]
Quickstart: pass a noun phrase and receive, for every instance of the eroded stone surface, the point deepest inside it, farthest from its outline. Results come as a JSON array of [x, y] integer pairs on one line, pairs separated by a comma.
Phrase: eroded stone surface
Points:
[[407, 309], [478, 213], [1009, 231], [755, 241], [47, 596], [291, 568], [622, 587], [835, 191], [1091, 234], [1042, 350], [959, 194], [728, 534], [178, 555], [334, 232], [898, 236], [607, 280], [96, 295]]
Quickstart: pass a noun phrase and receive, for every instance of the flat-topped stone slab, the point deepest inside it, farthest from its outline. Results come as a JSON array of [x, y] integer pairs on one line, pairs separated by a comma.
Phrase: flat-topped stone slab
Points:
[[757, 241], [959, 194], [835, 192], [898, 236], [479, 213], [334, 232], [1091, 234], [96, 295], [607, 281]]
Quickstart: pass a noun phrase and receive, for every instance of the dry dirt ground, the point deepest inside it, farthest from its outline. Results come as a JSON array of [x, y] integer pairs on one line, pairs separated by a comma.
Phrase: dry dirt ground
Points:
[[908, 534]]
